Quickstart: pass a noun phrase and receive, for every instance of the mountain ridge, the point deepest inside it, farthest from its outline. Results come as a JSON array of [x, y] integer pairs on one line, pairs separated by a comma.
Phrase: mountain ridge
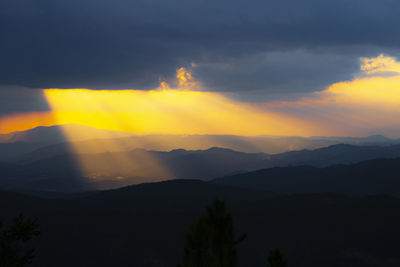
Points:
[[90, 139], [371, 177]]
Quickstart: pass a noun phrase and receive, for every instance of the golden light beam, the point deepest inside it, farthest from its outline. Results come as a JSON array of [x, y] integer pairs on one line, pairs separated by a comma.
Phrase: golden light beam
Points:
[[167, 111], [161, 111], [357, 107]]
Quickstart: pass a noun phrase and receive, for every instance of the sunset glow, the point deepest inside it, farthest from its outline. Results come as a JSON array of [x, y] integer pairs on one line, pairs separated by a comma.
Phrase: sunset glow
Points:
[[165, 111], [160, 111], [363, 105], [26, 121], [366, 105]]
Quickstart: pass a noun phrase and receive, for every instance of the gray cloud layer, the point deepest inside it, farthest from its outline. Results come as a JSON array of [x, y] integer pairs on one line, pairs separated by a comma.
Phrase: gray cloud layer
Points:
[[275, 46], [14, 99]]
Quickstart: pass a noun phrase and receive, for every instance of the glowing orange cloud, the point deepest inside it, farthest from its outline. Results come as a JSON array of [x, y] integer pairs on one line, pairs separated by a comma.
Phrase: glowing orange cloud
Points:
[[185, 80], [366, 105], [381, 63], [26, 121]]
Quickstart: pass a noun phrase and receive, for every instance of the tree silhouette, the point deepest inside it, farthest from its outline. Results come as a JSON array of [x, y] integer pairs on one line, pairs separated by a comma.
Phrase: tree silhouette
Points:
[[197, 250], [275, 258], [210, 241], [12, 239]]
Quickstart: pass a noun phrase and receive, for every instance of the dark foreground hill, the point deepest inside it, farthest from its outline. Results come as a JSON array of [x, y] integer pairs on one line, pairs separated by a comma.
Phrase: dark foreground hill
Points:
[[379, 176], [144, 225]]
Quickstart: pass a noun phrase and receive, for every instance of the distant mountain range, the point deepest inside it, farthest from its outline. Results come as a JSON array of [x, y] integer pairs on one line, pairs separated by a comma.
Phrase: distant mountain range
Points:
[[322, 206], [373, 177], [56, 134], [335, 154], [70, 172], [52, 141], [299, 171], [90, 164], [16, 144]]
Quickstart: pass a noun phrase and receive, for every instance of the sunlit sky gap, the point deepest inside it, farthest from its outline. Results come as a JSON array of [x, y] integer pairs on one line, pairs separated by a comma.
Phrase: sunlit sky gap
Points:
[[368, 104]]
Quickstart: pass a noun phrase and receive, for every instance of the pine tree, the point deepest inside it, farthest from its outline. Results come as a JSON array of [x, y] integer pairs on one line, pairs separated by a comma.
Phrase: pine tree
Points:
[[275, 258], [12, 253], [197, 245], [222, 241], [209, 241]]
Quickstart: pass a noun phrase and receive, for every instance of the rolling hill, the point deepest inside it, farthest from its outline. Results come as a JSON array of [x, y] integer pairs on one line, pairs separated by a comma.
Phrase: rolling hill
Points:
[[144, 226], [378, 176], [71, 172]]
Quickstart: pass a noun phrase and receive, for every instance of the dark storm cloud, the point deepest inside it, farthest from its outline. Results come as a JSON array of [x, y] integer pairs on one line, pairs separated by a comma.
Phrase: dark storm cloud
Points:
[[277, 72], [288, 46], [14, 99]]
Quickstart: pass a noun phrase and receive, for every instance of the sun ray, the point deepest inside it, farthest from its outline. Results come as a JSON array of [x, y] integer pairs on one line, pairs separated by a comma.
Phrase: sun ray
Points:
[[164, 110]]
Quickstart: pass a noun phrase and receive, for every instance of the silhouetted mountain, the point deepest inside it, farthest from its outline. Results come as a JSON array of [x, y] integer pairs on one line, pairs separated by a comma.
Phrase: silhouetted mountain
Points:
[[113, 170], [144, 225], [56, 134], [84, 139], [44, 152], [41, 134], [379, 176], [378, 138], [9, 151], [248, 144], [16, 144], [336, 154], [7, 169]]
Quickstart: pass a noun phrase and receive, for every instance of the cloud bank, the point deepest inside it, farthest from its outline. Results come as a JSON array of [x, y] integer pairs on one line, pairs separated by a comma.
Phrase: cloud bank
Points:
[[285, 46], [368, 104]]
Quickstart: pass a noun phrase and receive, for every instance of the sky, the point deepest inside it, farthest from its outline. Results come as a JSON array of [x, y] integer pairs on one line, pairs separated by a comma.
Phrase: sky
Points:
[[289, 67]]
